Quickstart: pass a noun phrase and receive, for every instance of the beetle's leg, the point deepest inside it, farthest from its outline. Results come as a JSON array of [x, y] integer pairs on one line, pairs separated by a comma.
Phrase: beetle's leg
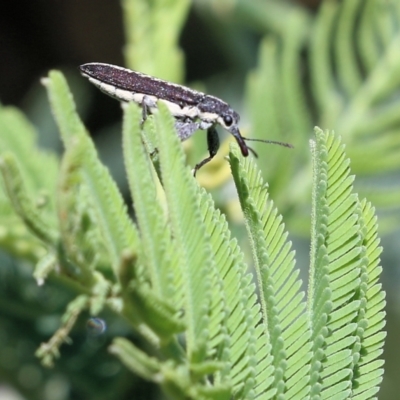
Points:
[[145, 113], [213, 146]]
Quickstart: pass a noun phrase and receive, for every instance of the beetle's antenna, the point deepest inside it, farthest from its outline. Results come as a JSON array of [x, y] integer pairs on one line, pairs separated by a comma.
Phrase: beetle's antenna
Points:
[[265, 141], [252, 152], [269, 141]]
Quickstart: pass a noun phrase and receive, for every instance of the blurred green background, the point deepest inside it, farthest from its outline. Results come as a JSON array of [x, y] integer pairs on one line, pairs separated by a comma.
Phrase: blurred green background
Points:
[[285, 66]]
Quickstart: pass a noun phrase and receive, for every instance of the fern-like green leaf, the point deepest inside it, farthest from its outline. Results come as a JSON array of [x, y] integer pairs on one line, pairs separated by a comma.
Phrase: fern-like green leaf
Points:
[[286, 327], [368, 372], [117, 229], [151, 45], [20, 199], [188, 231], [237, 343], [136, 360], [38, 170], [18, 136], [154, 230], [77, 224], [338, 274]]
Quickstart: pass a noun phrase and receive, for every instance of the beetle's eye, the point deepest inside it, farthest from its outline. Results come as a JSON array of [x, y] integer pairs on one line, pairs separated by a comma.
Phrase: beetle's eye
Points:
[[228, 120]]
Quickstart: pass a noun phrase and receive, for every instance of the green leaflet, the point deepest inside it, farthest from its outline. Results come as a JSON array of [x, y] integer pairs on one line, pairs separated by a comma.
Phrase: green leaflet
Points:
[[135, 359], [18, 136], [339, 272], [151, 44], [194, 254], [22, 203], [117, 229], [235, 300], [36, 182], [77, 221], [281, 301], [48, 352], [154, 230], [367, 371]]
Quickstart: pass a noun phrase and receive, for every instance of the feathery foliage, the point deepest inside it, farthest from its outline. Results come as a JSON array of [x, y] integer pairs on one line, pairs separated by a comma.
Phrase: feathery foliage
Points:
[[338, 70], [175, 273], [339, 278], [151, 45], [211, 337]]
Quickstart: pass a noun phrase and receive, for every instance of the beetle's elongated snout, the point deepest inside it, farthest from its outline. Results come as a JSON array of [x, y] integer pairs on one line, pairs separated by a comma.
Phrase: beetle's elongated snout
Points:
[[240, 140]]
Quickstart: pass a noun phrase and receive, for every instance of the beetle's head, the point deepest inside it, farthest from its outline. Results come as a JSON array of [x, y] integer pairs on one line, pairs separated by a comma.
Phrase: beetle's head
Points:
[[229, 120]]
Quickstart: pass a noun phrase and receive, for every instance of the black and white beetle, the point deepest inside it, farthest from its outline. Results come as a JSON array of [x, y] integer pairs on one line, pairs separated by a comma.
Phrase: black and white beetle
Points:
[[192, 110]]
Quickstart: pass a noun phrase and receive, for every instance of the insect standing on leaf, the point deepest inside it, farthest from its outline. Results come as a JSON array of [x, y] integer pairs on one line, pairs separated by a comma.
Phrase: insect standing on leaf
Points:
[[191, 109]]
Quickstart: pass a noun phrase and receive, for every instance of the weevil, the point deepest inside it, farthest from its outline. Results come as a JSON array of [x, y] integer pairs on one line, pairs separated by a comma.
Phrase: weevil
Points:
[[191, 109]]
